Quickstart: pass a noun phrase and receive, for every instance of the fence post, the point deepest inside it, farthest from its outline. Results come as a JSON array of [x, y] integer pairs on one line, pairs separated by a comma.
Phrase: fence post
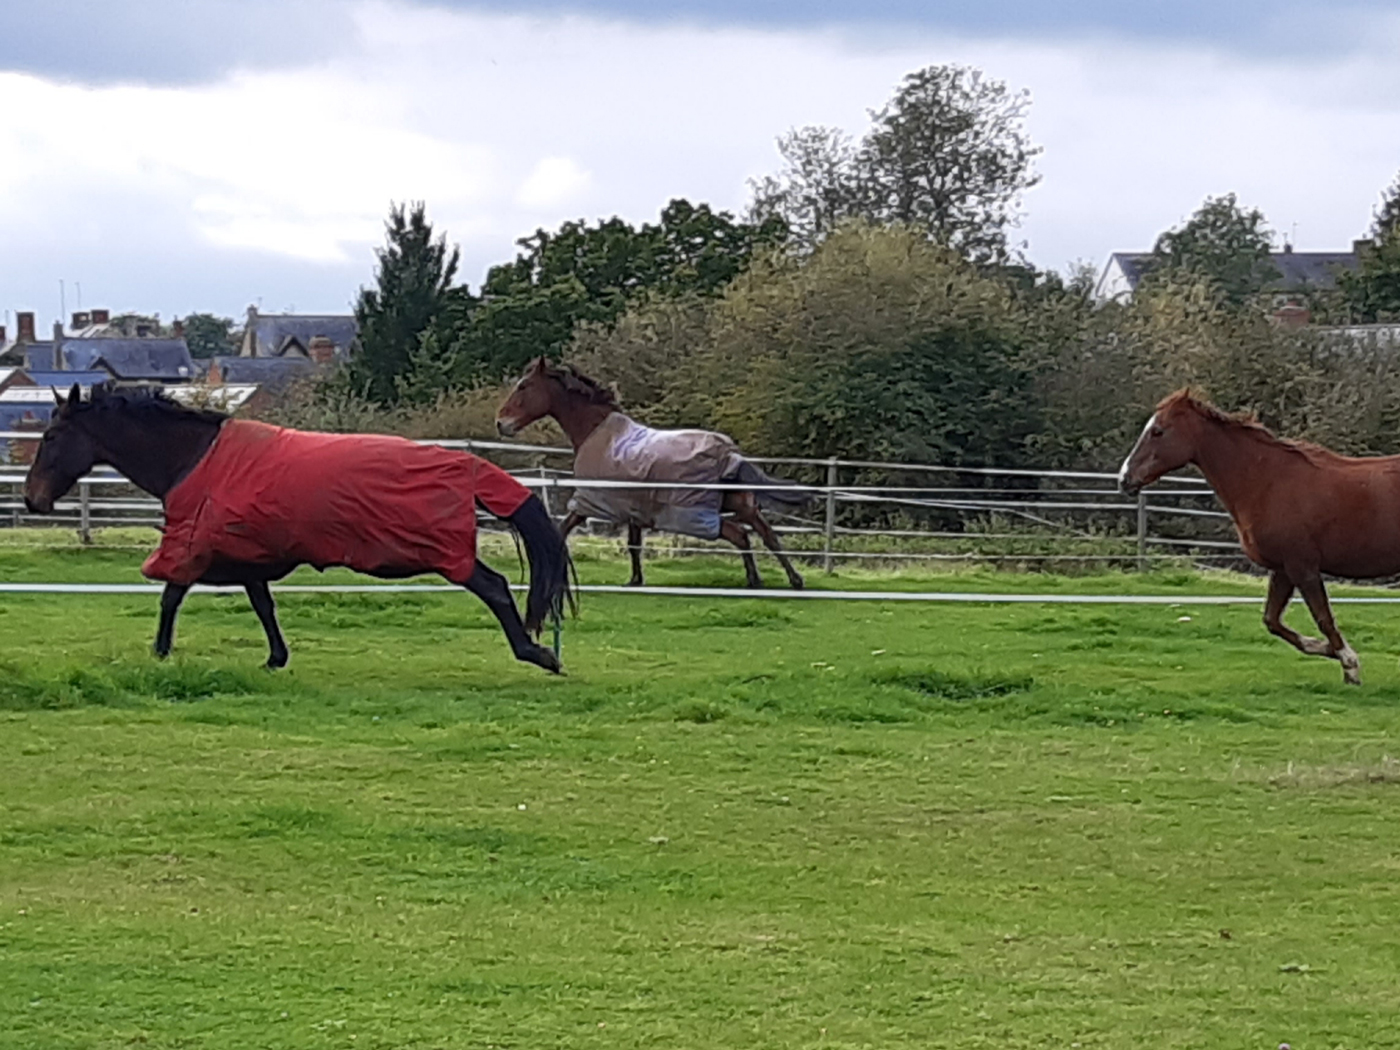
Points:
[[830, 514], [1142, 532], [85, 511], [544, 492]]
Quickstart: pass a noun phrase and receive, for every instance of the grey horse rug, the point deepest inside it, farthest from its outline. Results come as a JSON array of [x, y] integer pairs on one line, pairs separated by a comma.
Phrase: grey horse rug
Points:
[[621, 449]]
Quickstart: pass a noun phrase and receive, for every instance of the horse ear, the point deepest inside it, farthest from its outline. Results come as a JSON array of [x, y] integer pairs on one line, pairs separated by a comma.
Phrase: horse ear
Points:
[[57, 397], [539, 365], [75, 395]]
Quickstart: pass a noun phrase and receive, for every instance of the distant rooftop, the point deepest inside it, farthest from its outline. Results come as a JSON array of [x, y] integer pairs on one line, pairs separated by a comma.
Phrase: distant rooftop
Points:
[[280, 335], [1297, 271]]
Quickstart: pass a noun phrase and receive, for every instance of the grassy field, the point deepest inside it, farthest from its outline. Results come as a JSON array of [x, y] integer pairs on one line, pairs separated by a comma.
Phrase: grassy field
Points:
[[733, 824]]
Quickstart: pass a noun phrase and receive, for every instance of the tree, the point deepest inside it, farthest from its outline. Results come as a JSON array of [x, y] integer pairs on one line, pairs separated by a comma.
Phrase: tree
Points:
[[1387, 218], [582, 274], [208, 336], [819, 188], [1222, 244], [414, 279], [948, 155]]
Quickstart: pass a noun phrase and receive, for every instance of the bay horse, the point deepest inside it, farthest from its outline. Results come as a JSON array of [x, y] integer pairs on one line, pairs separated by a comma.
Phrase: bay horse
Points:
[[611, 446], [246, 503], [1300, 509]]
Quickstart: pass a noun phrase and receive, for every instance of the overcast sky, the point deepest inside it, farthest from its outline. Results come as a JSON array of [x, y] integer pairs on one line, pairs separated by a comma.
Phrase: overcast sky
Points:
[[173, 156]]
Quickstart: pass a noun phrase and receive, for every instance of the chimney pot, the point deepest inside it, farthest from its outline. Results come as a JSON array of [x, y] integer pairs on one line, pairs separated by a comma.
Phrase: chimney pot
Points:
[[101, 317], [81, 319], [2, 335], [321, 350], [25, 321]]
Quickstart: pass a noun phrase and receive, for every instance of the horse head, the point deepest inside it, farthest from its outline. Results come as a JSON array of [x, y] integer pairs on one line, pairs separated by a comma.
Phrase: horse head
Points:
[[1168, 441], [66, 453], [529, 400], [546, 390]]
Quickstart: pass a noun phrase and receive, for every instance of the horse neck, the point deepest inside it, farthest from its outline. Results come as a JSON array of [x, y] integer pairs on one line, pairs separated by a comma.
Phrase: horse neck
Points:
[[1238, 464], [155, 454], [578, 418]]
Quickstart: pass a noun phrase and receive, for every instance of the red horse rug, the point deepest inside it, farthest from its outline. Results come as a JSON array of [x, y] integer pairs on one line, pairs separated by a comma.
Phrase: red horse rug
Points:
[[381, 505]]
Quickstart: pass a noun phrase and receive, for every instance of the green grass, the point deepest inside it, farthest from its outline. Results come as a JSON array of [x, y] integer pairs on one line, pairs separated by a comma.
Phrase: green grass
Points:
[[733, 824]]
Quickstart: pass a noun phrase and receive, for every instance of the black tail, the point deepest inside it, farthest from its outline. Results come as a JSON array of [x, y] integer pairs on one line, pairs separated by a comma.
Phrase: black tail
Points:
[[771, 499], [550, 567]]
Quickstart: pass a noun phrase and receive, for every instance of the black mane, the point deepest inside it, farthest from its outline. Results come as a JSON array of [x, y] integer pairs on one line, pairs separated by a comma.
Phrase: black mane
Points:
[[145, 400], [592, 391]]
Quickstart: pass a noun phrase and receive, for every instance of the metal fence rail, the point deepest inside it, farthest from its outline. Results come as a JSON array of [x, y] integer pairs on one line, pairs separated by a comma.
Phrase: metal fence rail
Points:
[[1080, 509]]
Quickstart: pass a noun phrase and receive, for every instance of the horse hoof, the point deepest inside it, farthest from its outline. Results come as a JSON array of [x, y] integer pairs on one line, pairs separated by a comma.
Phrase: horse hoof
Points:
[[634, 582], [1351, 677], [276, 663], [545, 658], [159, 653], [797, 583]]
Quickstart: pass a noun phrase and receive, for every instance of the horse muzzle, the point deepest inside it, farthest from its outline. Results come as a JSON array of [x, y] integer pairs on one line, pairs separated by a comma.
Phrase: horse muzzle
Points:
[[506, 428], [38, 506]]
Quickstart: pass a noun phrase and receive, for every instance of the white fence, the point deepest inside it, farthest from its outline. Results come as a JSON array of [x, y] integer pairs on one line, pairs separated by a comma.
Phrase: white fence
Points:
[[1001, 514]]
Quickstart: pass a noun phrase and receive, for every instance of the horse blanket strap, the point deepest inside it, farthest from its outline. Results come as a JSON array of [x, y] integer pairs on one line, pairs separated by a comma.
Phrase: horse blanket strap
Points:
[[621, 449], [380, 505]]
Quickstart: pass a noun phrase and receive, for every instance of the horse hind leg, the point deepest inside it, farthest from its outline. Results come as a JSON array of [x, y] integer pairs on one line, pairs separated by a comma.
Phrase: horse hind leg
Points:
[[1315, 594], [732, 531], [260, 597], [491, 587], [634, 551], [752, 516]]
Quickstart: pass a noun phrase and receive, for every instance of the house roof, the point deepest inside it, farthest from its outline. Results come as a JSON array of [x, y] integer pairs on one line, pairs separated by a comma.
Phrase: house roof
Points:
[[166, 359], [227, 398], [1296, 269], [268, 371], [275, 333], [63, 380]]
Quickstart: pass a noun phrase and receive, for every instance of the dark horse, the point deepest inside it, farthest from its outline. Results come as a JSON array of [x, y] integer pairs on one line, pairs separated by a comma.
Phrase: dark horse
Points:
[[1300, 510], [246, 503], [611, 446]]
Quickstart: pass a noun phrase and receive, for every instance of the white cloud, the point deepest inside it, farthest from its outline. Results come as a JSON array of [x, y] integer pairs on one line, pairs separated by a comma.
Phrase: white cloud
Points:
[[276, 183], [554, 182]]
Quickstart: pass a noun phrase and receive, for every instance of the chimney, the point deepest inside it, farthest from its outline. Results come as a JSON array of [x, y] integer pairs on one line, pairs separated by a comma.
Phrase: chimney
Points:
[[101, 317], [81, 320], [58, 346], [321, 350], [25, 320], [2, 335]]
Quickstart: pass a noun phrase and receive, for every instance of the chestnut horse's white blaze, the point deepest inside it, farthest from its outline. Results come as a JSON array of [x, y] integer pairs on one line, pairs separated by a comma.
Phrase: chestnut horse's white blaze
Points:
[[1123, 470]]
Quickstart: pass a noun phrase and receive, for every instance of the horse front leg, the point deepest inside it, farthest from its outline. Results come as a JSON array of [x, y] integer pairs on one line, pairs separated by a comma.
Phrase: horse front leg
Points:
[[1275, 605], [732, 531], [260, 595], [634, 551], [750, 515], [1315, 594], [170, 600], [491, 587]]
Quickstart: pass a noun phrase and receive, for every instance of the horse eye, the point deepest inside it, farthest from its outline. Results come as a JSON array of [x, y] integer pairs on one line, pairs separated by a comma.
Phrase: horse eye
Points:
[[1157, 432]]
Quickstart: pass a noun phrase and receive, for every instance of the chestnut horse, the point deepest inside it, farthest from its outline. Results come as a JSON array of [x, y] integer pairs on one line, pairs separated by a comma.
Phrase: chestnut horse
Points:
[[611, 446], [1300, 510]]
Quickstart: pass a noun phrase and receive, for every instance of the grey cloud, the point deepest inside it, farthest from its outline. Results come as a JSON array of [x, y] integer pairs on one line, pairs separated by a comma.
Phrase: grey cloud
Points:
[[166, 41], [1246, 26]]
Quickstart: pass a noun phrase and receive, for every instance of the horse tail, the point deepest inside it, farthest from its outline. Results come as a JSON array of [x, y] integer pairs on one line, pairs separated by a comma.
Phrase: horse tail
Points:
[[772, 499], [551, 569]]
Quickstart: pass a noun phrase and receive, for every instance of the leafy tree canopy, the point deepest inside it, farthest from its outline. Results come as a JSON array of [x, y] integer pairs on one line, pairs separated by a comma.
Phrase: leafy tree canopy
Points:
[[1222, 244], [585, 273], [948, 155], [414, 290], [208, 336]]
